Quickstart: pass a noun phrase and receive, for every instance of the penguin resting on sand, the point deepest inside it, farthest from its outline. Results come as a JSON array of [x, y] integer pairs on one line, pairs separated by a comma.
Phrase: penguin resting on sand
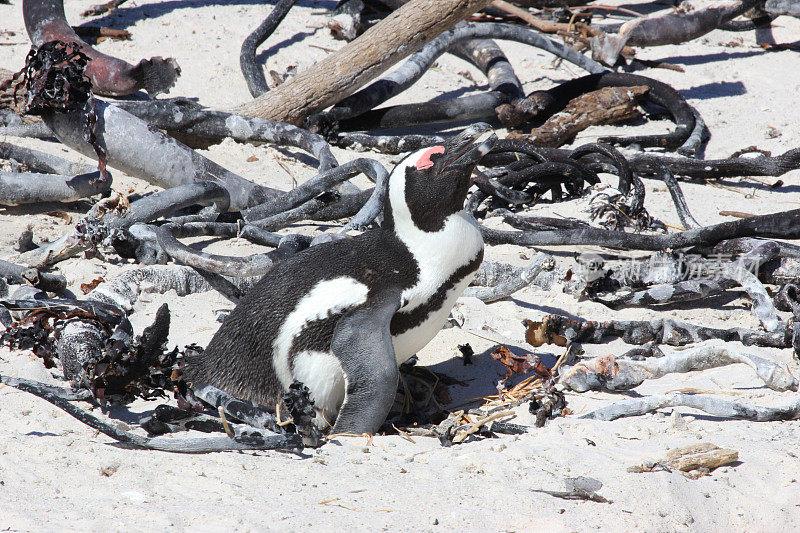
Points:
[[341, 316]]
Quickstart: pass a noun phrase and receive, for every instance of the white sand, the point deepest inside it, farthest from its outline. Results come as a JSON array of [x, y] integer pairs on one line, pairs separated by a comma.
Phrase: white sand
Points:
[[50, 464]]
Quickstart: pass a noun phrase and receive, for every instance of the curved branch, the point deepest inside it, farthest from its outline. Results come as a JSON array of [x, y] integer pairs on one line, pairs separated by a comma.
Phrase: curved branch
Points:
[[235, 267], [468, 107], [206, 123], [316, 186], [401, 33], [253, 74], [163, 203]]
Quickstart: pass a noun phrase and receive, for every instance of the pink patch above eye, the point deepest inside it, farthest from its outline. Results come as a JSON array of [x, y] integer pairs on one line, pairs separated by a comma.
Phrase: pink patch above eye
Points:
[[424, 160]]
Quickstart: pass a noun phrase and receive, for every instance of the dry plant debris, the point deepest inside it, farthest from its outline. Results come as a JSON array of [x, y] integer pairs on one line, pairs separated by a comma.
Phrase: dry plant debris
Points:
[[693, 461]]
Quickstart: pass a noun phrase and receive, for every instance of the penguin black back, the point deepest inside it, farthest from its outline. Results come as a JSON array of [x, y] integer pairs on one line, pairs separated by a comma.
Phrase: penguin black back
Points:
[[235, 360]]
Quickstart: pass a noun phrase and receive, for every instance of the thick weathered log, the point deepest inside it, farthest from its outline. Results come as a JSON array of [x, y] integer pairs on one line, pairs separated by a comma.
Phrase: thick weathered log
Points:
[[401, 33]]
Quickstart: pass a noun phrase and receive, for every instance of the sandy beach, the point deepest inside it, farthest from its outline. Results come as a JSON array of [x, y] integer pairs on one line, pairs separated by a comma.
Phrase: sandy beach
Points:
[[57, 474]]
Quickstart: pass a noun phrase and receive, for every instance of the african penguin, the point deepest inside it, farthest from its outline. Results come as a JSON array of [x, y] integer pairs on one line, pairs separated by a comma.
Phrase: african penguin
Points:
[[342, 315]]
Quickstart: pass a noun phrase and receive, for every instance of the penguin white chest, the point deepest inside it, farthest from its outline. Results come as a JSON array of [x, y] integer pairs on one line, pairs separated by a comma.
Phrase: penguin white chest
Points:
[[447, 261]]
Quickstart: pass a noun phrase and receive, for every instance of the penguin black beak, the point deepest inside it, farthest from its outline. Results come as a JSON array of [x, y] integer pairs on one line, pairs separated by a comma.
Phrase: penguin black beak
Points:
[[462, 153]]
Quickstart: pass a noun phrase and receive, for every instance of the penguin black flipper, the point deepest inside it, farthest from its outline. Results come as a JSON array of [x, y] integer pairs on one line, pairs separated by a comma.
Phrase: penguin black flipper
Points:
[[362, 342]]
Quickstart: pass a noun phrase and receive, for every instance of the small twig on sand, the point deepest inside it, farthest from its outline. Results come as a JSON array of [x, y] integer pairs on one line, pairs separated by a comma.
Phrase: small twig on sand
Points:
[[102, 9]]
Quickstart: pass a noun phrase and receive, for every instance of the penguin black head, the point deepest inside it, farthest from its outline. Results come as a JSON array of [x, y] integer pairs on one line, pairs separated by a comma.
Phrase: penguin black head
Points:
[[431, 184]]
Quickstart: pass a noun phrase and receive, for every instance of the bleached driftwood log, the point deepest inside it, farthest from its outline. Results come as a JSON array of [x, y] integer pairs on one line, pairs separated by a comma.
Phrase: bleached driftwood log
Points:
[[707, 404], [400, 34], [611, 374]]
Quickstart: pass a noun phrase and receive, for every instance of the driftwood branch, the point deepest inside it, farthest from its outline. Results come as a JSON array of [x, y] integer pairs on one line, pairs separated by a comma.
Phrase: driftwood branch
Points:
[[356, 106], [560, 329], [606, 106], [652, 164], [707, 404], [110, 215], [42, 161], [189, 120], [518, 282], [22, 275], [543, 104], [785, 225], [142, 151], [671, 28], [608, 373], [17, 188], [253, 74]]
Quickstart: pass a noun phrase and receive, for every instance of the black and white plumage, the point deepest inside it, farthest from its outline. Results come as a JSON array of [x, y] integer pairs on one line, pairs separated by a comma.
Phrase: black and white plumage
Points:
[[341, 316]]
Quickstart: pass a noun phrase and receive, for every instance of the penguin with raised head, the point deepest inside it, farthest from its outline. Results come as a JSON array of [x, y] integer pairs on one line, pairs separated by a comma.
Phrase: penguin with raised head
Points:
[[341, 316]]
